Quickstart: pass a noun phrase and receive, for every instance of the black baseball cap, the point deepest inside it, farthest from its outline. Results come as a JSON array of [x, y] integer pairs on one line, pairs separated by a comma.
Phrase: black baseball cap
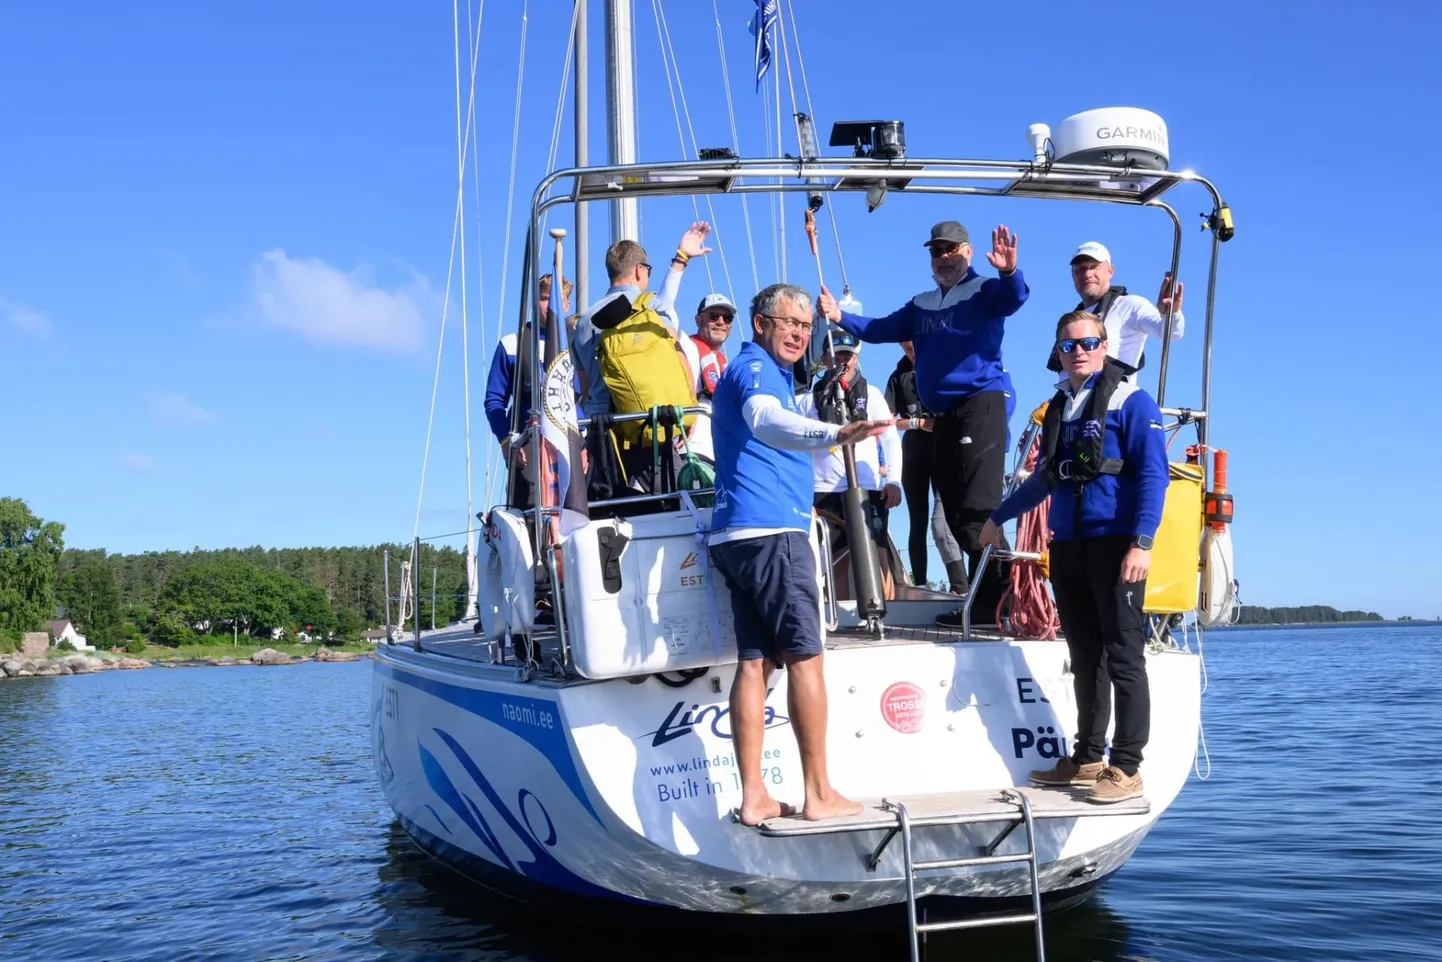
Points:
[[950, 232]]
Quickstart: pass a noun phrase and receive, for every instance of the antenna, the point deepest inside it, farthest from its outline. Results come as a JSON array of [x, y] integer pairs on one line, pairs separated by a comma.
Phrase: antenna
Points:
[[1037, 135]]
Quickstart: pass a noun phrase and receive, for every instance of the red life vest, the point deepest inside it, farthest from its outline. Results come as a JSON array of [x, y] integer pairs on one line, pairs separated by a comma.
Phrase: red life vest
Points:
[[713, 362]]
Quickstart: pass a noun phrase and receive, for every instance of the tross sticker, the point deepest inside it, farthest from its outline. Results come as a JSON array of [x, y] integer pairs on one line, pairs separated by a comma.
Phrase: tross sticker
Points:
[[903, 705]]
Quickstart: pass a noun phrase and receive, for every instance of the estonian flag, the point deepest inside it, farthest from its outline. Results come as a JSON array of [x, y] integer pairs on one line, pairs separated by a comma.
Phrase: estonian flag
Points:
[[761, 28], [565, 485]]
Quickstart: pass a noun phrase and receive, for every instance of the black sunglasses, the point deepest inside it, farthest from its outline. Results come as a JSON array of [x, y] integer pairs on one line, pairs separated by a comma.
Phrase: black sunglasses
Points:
[[647, 266], [942, 249], [1088, 344], [720, 316]]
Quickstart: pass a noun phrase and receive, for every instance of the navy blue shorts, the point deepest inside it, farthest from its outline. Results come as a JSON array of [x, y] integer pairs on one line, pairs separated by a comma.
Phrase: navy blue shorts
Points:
[[774, 597]]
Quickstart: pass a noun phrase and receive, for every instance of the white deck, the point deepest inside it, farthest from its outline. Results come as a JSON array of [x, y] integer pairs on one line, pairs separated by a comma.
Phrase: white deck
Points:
[[956, 808]]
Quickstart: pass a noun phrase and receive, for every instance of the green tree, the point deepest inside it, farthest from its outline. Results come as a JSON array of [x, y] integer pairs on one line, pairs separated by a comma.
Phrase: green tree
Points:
[[91, 599], [348, 625], [29, 551]]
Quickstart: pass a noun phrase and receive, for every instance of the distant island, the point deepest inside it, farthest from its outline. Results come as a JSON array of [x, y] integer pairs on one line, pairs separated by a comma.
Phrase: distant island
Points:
[[1304, 615]]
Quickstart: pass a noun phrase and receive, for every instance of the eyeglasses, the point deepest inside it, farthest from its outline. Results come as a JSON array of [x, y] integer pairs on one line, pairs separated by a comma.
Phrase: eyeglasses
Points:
[[790, 323], [943, 248], [645, 265], [720, 316], [1087, 344]]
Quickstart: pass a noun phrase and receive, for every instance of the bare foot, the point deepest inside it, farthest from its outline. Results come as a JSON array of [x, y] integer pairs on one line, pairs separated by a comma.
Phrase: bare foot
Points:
[[833, 805], [767, 807]]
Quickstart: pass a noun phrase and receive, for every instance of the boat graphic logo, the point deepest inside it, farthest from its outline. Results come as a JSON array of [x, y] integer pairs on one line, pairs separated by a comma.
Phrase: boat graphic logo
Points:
[[681, 721], [690, 561]]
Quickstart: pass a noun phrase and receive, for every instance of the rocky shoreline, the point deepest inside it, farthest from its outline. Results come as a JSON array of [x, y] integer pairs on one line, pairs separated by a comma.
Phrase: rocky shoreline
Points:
[[24, 666]]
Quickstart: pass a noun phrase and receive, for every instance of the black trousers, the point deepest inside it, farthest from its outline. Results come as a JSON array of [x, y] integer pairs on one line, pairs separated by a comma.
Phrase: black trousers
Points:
[[916, 458], [1106, 634], [968, 467]]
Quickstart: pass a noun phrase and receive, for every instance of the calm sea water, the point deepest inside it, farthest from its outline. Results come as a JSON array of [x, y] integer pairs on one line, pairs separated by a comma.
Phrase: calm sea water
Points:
[[232, 814]]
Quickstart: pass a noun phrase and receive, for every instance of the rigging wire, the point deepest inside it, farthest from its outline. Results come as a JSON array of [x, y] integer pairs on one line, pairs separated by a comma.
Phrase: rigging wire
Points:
[[680, 134], [811, 111], [510, 203], [456, 226], [736, 144], [696, 152]]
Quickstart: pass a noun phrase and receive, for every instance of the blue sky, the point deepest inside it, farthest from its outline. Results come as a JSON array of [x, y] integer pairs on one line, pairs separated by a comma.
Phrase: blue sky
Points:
[[226, 235]]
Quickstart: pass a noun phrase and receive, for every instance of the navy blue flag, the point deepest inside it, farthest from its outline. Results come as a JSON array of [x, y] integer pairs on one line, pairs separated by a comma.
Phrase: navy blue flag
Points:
[[762, 27], [566, 488]]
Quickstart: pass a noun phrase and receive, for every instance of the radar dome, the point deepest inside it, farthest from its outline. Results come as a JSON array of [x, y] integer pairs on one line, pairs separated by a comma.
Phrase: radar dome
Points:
[[1113, 137]]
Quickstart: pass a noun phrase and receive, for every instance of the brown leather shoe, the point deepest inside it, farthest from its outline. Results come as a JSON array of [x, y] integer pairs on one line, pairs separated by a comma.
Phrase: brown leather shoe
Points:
[[1067, 772], [1115, 785]]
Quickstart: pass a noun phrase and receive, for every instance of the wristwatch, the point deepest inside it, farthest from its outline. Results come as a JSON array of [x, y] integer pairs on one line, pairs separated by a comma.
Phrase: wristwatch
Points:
[[1143, 542]]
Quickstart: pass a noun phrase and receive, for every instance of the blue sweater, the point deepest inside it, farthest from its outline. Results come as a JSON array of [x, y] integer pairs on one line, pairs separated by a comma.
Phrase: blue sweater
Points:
[[957, 334], [500, 383], [1128, 504], [757, 486]]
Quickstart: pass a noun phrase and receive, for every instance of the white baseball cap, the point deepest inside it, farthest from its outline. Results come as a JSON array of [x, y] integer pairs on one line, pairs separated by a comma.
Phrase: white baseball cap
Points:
[[716, 302], [1095, 251]]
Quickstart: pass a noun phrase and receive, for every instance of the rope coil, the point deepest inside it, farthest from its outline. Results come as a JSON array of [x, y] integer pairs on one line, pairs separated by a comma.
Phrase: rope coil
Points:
[[1032, 610]]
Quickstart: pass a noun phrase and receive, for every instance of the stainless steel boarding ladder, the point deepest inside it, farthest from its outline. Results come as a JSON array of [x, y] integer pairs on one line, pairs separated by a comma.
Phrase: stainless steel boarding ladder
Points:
[[916, 929]]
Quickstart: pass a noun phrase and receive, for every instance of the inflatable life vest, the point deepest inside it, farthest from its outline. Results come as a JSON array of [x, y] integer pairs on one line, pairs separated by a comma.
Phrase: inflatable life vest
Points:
[[713, 364], [1104, 306], [507, 588], [1087, 461], [642, 367]]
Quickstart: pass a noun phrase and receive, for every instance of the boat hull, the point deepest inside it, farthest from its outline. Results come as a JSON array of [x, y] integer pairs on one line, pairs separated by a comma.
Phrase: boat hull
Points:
[[621, 791]]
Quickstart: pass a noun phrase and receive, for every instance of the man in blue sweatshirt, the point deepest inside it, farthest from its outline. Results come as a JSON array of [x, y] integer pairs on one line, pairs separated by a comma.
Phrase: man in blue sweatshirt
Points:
[[957, 330], [501, 380], [1104, 465], [760, 542]]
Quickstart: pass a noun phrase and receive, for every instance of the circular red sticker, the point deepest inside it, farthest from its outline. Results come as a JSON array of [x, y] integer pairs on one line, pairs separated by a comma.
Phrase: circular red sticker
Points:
[[903, 705]]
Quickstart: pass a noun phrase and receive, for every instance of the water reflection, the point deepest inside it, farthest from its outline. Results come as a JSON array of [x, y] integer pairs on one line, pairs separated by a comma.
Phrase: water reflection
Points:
[[428, 909]]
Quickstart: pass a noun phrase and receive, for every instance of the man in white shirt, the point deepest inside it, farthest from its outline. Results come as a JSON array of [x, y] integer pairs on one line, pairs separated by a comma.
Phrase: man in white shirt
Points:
[[878, 460], [1129, 318]]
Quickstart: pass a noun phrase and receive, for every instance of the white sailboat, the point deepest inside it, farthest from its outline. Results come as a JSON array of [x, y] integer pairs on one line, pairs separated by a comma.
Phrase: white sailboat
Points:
[[600, 763]]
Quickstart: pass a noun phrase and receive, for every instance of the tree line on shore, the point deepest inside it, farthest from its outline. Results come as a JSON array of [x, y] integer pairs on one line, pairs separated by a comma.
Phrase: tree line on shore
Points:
[[1303, 615], [207, 597]]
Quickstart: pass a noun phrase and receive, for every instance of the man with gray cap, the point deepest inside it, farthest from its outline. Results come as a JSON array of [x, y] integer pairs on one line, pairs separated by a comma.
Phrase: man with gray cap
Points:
[[1129, 318], [957, 330]]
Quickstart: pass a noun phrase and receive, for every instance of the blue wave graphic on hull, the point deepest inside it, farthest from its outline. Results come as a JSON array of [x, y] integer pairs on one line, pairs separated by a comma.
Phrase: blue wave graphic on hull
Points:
[[543, 866], [550, 742]]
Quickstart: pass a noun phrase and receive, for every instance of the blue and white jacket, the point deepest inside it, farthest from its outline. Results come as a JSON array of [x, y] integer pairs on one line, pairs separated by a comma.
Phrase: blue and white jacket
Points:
[[957, 334], [1127, 504], [500, 383]]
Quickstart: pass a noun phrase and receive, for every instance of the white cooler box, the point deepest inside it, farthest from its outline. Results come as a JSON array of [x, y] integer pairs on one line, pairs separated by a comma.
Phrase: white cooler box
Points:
[[658, 617]]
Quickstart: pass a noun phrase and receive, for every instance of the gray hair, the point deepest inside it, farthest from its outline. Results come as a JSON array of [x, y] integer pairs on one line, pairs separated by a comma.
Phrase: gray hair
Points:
[[770, 299]]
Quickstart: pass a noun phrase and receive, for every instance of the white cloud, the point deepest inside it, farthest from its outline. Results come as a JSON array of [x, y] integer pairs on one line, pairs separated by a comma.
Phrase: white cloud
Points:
[[326, 305], [24, 319], [177, 411], [135, 461]]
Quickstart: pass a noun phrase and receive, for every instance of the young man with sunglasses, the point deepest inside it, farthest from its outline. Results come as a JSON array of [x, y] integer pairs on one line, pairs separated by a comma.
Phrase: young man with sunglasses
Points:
[[1104, 465], [957, 331], [760, 542]]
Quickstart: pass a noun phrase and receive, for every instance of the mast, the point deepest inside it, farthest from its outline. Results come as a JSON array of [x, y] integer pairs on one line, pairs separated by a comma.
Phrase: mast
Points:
[[620, 88], [583, 219]]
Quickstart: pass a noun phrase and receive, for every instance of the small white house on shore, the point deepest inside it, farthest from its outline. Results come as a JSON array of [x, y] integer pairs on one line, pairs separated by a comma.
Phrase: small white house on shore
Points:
[[63, 629]]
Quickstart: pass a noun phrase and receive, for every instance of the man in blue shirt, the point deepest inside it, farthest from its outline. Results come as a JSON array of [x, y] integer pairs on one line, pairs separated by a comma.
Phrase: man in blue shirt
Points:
[[1104, 465], [760, 542], [501, 384], [957, 330]]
